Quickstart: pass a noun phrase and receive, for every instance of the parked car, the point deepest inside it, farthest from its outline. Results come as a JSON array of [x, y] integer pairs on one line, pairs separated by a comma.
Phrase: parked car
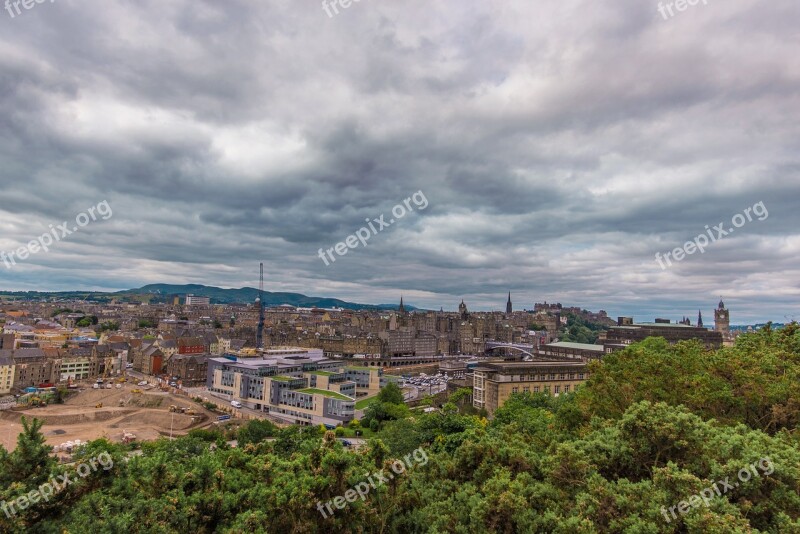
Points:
[[236, 404]]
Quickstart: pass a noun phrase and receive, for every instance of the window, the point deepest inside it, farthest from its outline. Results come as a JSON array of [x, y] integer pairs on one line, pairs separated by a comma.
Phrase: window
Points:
[[561, 376], [552, 376], [526, 389], [557, 389], [580, 376], [566, 388], [515, 390], [536, 389], [572, 376]]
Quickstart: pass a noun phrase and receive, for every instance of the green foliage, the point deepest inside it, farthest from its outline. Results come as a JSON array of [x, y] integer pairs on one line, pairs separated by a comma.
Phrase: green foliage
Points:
[[147, 323], [109, 326], [255, 432], [391, 394], [579, 330], [756, 382]]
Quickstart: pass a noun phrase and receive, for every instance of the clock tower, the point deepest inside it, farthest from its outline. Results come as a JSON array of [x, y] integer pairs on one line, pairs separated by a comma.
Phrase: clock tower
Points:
[[722, 319]]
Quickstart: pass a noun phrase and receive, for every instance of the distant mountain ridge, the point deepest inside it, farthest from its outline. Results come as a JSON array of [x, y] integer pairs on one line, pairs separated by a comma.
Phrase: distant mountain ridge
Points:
[[249, 294], [218, 295]]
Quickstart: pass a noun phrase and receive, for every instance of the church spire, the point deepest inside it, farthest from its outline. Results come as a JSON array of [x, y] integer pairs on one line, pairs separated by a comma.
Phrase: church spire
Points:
[[508, 304]]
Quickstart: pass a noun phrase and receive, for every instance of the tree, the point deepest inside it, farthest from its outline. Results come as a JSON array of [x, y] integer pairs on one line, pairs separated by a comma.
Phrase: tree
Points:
[[391, 394], [255, 432]]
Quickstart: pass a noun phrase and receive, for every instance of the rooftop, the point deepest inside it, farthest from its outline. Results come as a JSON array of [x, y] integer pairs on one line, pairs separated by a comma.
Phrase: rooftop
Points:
[[330, 394], [577, 346], [280, 378]]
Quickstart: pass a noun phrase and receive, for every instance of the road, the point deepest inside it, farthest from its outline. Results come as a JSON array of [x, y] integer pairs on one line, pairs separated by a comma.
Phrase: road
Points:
[[420, 391]]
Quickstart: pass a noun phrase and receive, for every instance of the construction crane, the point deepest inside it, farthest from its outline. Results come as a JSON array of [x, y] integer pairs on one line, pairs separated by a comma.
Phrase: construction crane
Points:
[[260, 330]]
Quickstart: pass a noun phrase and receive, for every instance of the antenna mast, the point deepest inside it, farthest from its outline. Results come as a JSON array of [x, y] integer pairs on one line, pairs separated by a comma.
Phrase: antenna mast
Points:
[[260, 331]]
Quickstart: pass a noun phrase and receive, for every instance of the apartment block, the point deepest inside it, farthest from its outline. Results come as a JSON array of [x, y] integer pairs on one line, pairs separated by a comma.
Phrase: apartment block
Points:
[[32, 368], [6, 372]]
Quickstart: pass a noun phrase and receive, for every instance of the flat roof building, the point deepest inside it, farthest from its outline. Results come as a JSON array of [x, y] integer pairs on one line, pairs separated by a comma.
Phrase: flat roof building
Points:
[[296, 385], [495, 381], [626, 332]]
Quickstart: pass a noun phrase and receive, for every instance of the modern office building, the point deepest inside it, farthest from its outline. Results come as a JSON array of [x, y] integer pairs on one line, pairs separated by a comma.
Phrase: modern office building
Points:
[[192, 300], [299, 386]]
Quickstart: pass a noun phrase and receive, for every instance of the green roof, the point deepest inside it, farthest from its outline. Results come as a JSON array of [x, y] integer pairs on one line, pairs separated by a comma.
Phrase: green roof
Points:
[[321, 373], [331, 394], [284, 378], [356, 368], [363, 403]]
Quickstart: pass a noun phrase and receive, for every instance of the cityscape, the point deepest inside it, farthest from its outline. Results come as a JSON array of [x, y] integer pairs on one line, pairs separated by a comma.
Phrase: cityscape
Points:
[[407, 267]]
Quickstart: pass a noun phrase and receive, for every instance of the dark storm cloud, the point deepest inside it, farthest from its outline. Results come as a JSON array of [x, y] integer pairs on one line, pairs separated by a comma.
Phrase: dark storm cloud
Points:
[[560, 146]]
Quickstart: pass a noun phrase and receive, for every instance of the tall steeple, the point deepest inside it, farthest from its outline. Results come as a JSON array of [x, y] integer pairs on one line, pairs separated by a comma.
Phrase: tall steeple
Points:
[[508, 304], [402, 308], [699, 319]]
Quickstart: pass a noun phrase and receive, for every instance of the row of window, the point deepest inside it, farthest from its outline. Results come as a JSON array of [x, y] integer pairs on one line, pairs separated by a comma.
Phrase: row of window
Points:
[[527, 389], [551, 376]]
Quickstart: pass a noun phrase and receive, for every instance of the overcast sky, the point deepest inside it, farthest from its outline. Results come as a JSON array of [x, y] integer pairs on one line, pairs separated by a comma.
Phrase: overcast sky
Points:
[[559, 146]]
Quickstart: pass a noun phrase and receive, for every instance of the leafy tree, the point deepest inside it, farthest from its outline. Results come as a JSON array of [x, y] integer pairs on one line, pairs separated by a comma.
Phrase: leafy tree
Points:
[[391, 393], [255, 432]]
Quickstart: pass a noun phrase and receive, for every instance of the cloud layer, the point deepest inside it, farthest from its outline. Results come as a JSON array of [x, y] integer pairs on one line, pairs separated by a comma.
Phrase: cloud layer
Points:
[[560, 146]]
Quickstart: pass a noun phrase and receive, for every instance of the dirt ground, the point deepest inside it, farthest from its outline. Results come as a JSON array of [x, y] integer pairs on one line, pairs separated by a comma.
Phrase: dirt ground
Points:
[[144, 414]]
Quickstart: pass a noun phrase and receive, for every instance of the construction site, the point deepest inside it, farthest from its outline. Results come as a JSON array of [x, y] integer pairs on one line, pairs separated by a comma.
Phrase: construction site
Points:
[[119, 412]]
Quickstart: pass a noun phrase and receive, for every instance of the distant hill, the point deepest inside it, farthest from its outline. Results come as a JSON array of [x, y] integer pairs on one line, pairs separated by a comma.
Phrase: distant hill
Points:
[[165, 292]]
